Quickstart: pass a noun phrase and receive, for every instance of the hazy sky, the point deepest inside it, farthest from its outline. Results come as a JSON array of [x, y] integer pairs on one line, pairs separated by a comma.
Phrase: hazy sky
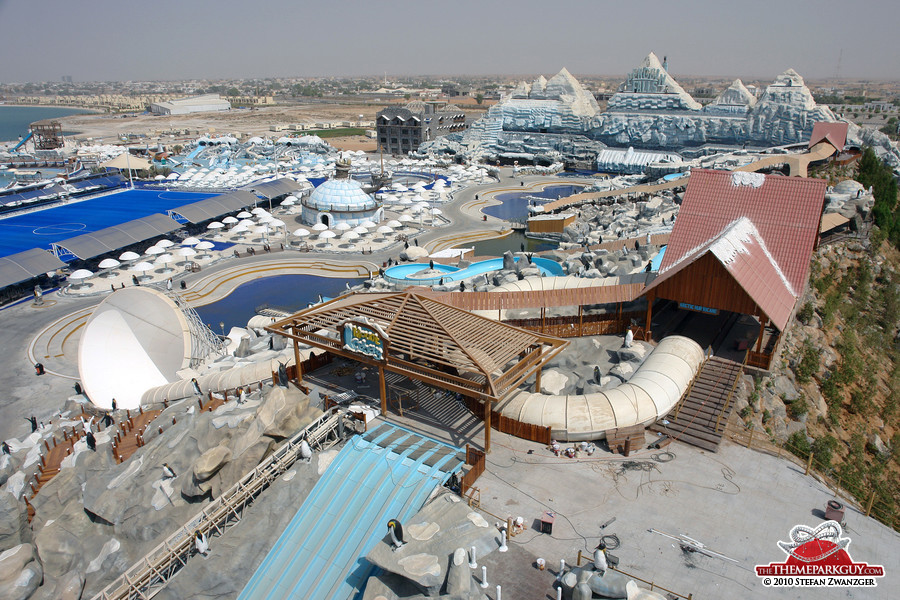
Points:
[[103, 40]]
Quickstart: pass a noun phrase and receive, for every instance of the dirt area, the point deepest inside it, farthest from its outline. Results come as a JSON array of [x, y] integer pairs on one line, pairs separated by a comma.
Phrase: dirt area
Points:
[[354, 142], [108, 128]]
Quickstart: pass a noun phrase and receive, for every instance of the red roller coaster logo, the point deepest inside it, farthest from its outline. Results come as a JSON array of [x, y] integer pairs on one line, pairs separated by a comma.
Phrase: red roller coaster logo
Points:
[[818, 558]]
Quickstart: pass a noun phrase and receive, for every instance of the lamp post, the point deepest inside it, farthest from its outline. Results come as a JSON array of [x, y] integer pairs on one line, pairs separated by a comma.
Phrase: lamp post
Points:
[[222, 327]]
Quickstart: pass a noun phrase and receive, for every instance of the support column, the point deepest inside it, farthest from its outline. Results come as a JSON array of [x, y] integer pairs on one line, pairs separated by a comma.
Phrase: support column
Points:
[[297, 363], [651, 296], [487, 426], [762, 330], [383, 390], [580, 320]]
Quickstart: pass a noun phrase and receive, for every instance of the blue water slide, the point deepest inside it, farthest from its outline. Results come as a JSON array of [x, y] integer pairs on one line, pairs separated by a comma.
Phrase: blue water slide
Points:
[[22, 143]]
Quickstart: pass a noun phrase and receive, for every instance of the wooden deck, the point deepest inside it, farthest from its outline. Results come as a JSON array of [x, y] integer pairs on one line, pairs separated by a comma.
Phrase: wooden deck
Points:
[[130, 433]]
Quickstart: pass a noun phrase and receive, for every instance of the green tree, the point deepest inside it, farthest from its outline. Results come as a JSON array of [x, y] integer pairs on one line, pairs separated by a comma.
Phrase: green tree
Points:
[[479, 98]]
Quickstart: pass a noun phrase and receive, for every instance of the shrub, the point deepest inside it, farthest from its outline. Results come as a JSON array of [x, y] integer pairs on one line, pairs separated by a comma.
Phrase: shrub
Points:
[[805, 314], [809, 363], [797, 408], [798, 444], [860, 403], [823, 448]]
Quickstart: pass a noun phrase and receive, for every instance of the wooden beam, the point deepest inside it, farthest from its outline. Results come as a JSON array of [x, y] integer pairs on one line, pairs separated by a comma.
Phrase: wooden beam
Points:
[[762, 331], [297, 362], [651, 295], [580, 321]]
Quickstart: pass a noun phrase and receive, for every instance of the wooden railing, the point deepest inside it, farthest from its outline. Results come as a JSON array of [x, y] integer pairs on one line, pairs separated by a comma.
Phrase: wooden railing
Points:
[[575, 326], [868, 499], [760, 360], [719, 425]]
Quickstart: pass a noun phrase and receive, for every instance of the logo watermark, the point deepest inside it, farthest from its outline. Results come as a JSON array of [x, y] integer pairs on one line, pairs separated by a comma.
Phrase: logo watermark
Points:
[[818, 558]]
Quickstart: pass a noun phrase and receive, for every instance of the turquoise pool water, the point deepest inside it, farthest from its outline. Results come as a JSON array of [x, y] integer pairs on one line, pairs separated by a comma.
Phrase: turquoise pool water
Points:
[[402, 273]]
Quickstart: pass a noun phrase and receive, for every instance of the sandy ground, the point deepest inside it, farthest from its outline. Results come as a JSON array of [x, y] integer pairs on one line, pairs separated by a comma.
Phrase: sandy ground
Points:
[[108, 128]]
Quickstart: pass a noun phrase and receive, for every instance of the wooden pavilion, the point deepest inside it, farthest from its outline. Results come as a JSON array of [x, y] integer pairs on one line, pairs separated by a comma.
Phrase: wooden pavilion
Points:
[[742, 242], [421, 338]]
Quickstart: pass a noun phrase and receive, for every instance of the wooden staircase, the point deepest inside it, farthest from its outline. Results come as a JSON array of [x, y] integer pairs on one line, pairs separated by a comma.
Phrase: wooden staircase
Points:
[[699, 418]]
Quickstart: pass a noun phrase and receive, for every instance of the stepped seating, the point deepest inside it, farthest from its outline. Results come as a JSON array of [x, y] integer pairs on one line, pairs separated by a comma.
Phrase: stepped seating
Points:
[[699, 418]]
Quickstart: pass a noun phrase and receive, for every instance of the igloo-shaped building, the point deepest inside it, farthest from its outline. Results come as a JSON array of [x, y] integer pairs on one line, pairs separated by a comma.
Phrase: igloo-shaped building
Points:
[[340, 200]]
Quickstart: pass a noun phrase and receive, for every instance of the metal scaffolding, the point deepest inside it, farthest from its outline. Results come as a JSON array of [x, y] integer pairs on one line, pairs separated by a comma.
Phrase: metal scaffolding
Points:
[[203, 340], [47, 136]]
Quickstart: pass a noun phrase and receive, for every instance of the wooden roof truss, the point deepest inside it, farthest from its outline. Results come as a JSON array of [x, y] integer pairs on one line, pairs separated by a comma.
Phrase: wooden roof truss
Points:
[[430, 341]]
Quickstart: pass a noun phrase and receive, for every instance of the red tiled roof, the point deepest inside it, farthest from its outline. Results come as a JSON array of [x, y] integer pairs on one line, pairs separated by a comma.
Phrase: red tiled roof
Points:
[[775, 224], [740, 249], [834, 133]]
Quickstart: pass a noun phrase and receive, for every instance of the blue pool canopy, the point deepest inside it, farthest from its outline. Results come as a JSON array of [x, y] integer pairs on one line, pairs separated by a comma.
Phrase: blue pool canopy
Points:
[[387, 473]]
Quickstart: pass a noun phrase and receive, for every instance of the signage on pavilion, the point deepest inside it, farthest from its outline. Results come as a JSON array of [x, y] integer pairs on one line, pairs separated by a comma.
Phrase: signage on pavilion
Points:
[[362, 337]]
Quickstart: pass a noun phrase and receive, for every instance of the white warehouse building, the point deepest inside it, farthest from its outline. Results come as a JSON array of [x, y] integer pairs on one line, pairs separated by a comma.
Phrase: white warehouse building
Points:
[[195, 104]]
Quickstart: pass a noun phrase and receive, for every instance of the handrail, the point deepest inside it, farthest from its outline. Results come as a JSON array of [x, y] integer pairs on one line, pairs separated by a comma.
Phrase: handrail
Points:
[[149, 575], [737, 380], [707, 354]]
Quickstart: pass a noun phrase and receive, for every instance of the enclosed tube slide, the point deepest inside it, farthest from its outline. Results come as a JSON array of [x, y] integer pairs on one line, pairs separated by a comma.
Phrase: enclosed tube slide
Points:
[[653, 390]]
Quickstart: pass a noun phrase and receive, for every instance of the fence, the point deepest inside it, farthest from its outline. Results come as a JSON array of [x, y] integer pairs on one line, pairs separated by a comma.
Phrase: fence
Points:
[[870, 500], [475, 459], [504, 424], [575, 326]]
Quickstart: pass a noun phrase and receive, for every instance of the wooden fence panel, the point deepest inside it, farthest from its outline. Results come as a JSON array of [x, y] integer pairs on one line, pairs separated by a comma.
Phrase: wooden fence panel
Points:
[[475, 460]]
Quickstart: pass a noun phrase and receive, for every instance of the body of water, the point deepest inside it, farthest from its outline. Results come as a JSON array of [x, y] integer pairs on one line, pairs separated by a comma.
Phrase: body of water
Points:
[[285, 292], [514, 205], [514, 242], [14, 120]]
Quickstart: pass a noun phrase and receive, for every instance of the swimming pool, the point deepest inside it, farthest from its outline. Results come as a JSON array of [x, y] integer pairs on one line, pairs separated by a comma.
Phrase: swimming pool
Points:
[[42, 228], [513, 242], [514, 205], [285, 292], [403, 273]]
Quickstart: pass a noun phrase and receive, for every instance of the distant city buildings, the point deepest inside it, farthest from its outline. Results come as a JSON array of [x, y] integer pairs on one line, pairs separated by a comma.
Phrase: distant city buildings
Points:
[[400, 130]]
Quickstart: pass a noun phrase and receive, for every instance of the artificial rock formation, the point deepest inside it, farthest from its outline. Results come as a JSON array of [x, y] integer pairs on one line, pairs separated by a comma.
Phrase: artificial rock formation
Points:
[[650, 110]]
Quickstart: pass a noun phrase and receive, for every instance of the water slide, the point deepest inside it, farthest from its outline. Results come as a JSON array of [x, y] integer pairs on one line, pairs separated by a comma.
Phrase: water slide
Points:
[[22, 143], [227, 379], [387, 473], [653, 391]]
